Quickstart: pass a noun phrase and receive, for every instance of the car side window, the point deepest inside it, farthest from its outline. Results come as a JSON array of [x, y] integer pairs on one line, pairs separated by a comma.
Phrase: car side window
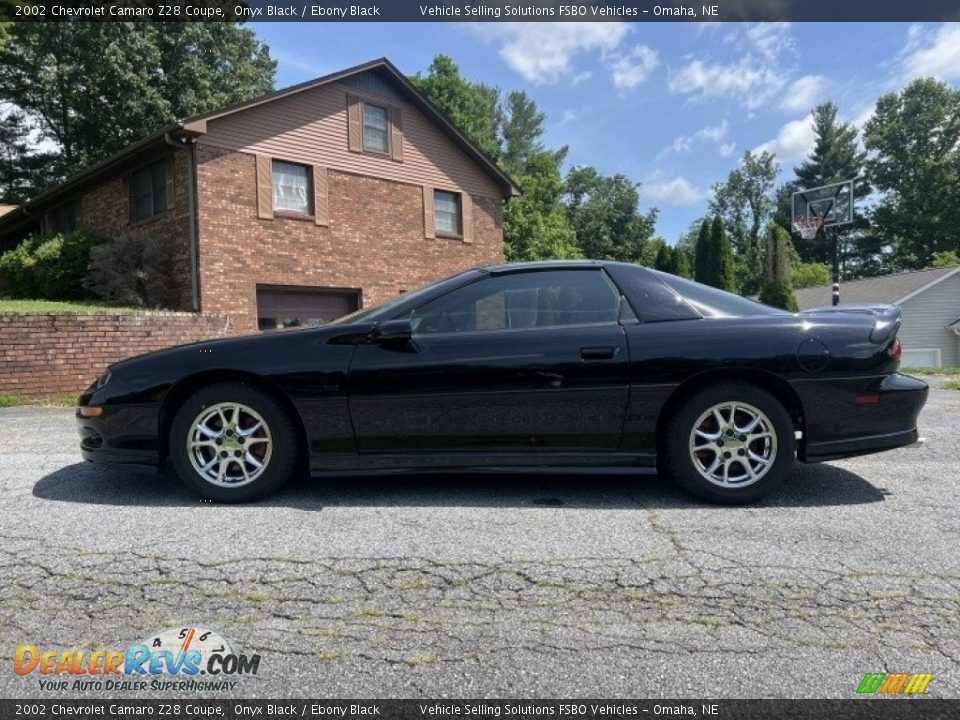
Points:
[[536, 299]]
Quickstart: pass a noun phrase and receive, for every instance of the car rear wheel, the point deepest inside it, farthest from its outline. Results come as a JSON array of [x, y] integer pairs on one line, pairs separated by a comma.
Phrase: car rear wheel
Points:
[[730, 444], [232, 442]]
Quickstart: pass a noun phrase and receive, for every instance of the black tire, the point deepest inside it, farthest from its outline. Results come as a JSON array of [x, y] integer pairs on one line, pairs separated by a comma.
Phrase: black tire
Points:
[[685, 466], [283, 446]]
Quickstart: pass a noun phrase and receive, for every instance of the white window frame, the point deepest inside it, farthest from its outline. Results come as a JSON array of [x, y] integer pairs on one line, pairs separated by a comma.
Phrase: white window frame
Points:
[[385, 150]]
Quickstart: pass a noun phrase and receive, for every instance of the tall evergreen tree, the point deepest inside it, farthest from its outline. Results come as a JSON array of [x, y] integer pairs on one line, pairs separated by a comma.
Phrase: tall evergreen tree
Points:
[[836, 157], [703, 257], [664, 261], [679, 264], [723, 271], [776, 290]]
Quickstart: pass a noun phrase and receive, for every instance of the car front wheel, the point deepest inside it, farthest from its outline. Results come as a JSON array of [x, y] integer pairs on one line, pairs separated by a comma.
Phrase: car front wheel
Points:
[[232, 442], [730, 444]]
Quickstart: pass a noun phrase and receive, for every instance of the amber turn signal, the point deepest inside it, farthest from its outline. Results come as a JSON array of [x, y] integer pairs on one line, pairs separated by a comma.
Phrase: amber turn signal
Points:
[[90, 411]]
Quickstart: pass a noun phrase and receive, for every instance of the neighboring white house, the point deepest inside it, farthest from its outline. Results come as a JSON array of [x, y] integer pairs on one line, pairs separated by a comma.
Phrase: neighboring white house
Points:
[[931, 310]]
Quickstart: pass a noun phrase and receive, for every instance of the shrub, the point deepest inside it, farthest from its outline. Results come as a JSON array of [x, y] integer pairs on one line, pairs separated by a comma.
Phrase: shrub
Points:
[[134, 271], [16, 271], [51, 267], [778, 294], [62, 261]]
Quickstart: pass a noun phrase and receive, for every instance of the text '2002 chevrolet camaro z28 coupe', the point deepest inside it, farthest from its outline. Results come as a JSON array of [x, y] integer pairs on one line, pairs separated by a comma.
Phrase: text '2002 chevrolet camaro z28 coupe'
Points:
[[565, 364]]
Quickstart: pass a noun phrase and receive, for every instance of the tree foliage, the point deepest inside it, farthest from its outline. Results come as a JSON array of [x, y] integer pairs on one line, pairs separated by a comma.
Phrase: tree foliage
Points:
[[714, 261], [605, 215], [587, 214], [473, 107], [776, 290], [913, 141], [745, 203], [703, 255], [93, 88]]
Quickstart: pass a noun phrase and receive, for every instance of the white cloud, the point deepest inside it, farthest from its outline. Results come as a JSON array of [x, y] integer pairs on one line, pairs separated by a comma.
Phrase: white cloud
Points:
[[631, 69], [672, 191], [685, 143], [727, 149], [935, 54], [750, 83], [770, 39], [803, 93], [568, 117], [545, 52], [794, 141]]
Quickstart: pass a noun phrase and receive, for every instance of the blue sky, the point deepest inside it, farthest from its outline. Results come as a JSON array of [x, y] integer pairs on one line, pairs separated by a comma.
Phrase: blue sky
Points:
[[671, 105]]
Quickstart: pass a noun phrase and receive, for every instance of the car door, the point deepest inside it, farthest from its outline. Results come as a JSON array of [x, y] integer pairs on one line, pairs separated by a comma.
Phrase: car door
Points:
[[515, 361]]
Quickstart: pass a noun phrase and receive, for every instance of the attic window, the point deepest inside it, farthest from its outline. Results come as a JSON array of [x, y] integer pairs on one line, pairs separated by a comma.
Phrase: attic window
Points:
[[376, 128]]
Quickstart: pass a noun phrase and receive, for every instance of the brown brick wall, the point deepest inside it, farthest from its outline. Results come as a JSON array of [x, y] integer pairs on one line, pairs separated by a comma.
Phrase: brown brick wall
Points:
[[374, 242], [48, 354], [105, 210]]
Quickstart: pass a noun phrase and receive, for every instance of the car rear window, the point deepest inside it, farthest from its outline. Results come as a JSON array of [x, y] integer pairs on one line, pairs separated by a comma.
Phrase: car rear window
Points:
[[712, 302]]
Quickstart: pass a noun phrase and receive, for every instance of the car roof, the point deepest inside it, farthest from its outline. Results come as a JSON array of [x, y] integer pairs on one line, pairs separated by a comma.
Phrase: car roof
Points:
[[500, 268]]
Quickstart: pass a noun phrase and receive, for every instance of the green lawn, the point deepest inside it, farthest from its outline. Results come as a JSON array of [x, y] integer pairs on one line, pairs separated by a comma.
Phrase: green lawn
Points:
[[930, 371], [82, 306], [952, 385], [56, 401]]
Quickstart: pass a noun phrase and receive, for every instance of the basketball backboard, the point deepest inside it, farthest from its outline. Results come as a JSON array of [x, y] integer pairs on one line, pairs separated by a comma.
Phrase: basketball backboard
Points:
[[826, 206]]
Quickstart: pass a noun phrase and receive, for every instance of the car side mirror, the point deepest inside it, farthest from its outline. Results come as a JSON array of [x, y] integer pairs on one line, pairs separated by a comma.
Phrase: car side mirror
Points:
[[393, 331]]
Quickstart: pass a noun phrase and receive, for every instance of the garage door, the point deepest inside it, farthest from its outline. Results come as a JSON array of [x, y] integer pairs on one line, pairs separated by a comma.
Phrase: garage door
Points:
[[289, 307]]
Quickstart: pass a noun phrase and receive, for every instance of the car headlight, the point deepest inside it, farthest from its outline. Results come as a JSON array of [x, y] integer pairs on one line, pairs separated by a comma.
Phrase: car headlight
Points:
[[103, 379]]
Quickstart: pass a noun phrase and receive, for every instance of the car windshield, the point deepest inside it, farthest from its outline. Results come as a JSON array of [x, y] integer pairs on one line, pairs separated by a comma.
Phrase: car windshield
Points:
[[712, 302], [387, 309]]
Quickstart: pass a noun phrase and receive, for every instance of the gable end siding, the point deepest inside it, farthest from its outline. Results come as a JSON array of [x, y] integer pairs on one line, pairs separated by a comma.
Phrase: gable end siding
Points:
[[311, 127], [925, 320]]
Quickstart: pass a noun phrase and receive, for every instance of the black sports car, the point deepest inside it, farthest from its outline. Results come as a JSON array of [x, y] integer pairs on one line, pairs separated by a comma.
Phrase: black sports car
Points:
[[536, 365]]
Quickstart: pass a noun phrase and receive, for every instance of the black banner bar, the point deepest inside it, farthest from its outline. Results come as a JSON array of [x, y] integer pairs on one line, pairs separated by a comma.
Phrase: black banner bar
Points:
[[893, 708], [481, 10]]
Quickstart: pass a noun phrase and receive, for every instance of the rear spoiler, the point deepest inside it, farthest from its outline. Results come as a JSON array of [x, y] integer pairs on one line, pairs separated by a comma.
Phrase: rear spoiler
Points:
[[886, 323]]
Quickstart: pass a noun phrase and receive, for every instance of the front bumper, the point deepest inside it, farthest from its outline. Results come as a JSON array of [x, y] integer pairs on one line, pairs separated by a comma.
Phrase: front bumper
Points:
[[124, 435], [838, 425]]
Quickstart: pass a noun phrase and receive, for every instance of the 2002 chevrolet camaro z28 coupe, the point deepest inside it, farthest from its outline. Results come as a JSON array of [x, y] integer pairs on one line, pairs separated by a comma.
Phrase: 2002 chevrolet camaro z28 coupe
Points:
[[549, 365]]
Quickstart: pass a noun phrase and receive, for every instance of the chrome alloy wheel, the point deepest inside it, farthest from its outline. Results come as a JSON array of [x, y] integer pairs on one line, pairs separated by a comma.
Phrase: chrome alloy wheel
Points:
[[733, 444], [229, 444]]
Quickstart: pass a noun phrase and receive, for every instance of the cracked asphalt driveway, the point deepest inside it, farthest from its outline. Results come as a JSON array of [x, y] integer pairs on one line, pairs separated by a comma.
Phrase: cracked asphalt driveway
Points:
[[497, 586]]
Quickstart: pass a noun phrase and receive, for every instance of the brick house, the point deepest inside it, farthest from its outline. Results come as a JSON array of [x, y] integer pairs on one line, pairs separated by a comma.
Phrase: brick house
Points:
[[300, 205]]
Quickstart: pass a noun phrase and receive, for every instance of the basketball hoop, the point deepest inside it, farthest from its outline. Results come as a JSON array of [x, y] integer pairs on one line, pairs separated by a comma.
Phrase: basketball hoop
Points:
[[808, 227]]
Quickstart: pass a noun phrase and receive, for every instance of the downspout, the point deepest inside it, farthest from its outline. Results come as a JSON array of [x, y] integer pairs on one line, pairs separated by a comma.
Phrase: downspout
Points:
[[192, 215]]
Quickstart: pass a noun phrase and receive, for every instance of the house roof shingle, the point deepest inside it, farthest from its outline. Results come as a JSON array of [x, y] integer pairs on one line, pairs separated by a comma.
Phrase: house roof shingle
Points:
[[884, 289]]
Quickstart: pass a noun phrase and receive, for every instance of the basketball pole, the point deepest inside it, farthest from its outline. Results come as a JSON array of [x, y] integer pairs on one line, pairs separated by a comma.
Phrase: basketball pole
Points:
[[836, 262]]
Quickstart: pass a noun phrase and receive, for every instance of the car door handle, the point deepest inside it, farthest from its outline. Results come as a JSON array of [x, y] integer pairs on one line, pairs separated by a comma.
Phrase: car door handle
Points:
[[598, 353]]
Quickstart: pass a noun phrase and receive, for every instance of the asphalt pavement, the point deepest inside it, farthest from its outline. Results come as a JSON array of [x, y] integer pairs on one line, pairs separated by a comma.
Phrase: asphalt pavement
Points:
[[494, 586]]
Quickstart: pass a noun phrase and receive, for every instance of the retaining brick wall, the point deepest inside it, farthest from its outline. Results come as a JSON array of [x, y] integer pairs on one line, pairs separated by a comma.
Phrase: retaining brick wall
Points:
[[48, 354]]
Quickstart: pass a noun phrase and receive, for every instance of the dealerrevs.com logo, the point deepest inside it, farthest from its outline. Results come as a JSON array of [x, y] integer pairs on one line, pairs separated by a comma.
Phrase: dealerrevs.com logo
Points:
[[183, 653]]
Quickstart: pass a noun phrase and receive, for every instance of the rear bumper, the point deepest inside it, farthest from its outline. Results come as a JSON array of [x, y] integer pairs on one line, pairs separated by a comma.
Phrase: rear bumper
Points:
[[834, 450], [839, 425]]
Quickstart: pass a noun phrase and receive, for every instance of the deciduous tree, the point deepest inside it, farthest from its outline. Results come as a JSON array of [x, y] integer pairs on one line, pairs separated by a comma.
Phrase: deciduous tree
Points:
[[914, 160]]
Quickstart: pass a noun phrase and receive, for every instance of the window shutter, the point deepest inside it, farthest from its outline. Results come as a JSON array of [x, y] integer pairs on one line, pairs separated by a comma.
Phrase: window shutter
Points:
[[169, 172], [466, 217], [355, 123], [264, 187], [396, 134], [428, 230], [320, 208]]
